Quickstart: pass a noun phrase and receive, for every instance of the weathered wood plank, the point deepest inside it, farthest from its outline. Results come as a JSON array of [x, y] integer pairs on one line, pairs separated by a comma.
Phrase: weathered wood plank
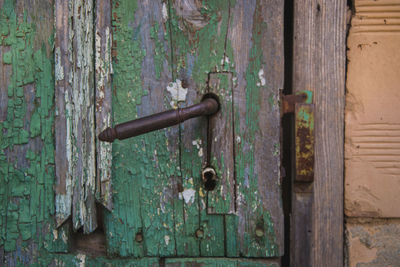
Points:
[[211, 262], [144, 167], [63, 187], [26, 131], [221, 200], [198, 33], [103, 111], [55, 260], [256, 36], [76, 169], [319, 65]]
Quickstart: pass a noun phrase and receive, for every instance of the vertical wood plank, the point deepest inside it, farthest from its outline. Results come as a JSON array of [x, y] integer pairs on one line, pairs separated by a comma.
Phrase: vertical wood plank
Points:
[[103, 110], [63, 187], [198, 33], [221, 200], [319, 66], [144, 168], [76, 169], [256, 36], [26, 131]]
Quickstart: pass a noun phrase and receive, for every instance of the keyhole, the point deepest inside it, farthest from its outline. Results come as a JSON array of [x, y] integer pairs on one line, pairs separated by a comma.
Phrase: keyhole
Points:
[[209, 177]]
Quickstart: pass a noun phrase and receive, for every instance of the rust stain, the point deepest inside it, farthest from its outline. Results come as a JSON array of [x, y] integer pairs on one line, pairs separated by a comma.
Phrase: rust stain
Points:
[[304, 131]]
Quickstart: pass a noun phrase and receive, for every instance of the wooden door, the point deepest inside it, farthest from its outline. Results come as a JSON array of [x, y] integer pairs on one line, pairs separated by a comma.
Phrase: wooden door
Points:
[[168, 55], [121, 60]]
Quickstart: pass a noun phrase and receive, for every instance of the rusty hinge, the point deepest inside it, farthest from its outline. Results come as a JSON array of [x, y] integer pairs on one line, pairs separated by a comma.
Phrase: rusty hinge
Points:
[[302, 106]]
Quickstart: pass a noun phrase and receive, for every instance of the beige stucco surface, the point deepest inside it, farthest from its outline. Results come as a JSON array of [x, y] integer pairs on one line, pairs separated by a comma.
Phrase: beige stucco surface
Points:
[[373, 243], [372, 144]]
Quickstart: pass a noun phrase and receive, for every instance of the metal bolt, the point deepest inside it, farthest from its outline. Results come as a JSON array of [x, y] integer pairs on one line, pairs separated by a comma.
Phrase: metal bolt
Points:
[[139, 237], [259, 232], [199, 233]]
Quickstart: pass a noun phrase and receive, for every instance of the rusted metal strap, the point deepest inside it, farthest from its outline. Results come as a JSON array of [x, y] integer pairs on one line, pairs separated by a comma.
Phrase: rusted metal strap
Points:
[[301, 105]]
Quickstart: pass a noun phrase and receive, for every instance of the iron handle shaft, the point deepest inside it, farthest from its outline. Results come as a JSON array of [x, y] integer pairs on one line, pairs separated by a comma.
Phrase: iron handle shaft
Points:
[[208, 106]]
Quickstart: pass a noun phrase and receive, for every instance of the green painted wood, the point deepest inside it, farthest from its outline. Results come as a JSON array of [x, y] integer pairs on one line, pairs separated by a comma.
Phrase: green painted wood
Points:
[[103, 111], [82, 260], [27, 114], [144, 168], [220, 262], [163, 53], [221, 200], [256, 34], [198, 32], [176, 45], [75, 119]]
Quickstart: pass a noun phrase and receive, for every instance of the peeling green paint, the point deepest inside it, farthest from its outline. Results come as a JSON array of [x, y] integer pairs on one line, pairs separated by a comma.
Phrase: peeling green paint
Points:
[[26, 143], [159, 53], [245, 163], [142, 167], [145, 169]]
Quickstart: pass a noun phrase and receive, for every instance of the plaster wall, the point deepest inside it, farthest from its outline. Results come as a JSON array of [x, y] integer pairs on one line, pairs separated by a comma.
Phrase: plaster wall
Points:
[[372, 137]]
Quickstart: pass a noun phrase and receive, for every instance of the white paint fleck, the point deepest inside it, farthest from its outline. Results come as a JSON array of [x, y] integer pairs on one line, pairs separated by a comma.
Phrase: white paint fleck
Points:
[[238, 139], [164, 11], [188, 195], [234, 80], [197, 143], [261, 77], [82, 259], [227, 61], [166, 239], [55, 234], [58, 70], [178, 93]]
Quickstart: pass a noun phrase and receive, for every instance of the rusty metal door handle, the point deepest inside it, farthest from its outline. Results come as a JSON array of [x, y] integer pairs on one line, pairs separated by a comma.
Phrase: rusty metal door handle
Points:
[[208, 106]]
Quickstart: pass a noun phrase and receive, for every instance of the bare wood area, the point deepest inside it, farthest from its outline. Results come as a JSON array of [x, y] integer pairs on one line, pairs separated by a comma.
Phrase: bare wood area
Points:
[[319, 65]]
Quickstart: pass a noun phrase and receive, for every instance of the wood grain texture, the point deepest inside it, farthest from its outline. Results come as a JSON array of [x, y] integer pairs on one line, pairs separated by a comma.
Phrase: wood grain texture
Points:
[[163, 54], [319, 66], [143, 168], [256, 37], [251, 48], [103, 111], [74, 72], [220, 145], [26, 133]]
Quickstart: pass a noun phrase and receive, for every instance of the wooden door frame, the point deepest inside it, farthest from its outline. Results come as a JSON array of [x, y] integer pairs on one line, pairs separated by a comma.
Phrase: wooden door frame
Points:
[[319, 65]]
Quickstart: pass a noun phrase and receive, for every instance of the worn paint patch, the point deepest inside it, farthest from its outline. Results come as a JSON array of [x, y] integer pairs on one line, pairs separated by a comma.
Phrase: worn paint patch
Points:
[[164, 11], [59, 70], [82, 260], [197, 144], [261, 77], [79, 134], [178, 93], [103, 71], [189, 195]]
